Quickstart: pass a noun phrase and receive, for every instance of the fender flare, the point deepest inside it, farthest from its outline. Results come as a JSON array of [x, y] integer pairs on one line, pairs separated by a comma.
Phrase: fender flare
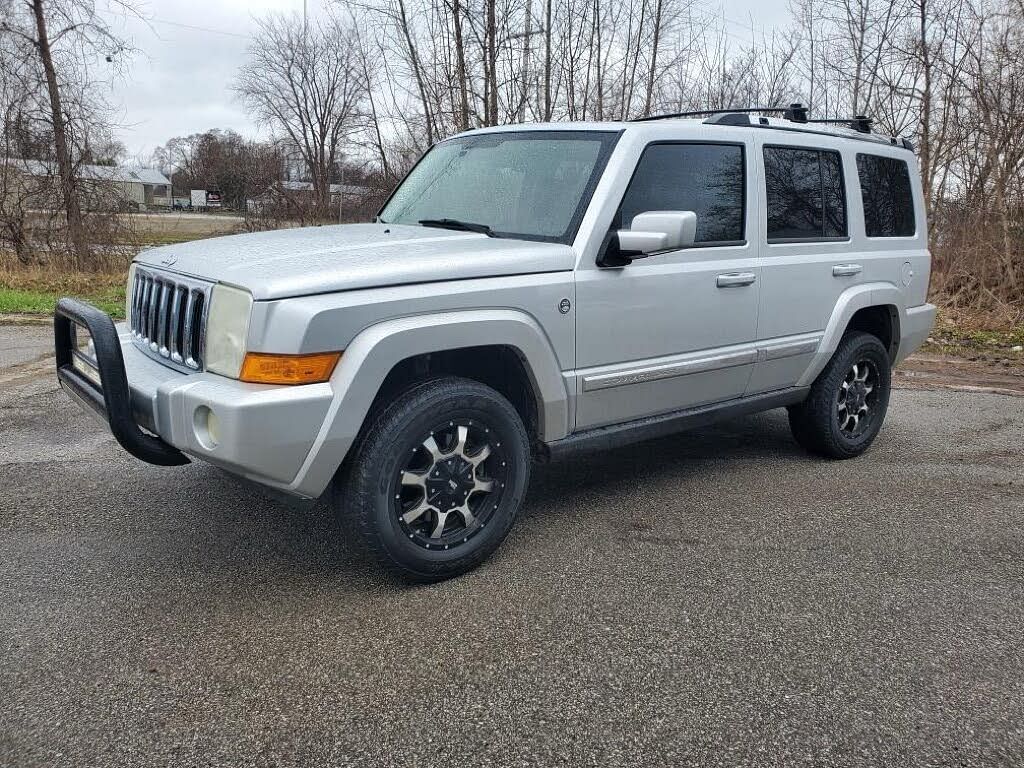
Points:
[[849, 303], [376, 350]]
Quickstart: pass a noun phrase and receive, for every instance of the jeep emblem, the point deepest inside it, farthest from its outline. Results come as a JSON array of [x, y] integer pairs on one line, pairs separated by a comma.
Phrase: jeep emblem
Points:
[[564, 306], [169, 261]]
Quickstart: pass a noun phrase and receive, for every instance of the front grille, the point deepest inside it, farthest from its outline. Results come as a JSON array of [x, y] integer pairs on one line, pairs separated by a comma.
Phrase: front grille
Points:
[[168, 317]]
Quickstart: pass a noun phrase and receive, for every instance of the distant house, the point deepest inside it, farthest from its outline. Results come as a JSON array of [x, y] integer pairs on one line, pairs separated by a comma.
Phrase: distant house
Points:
[[101, 187], [155, 188], [301, 192]]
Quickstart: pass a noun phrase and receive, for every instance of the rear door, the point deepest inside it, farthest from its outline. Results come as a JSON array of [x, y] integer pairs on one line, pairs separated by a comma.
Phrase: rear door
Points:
[[806, 259], [677, 329]]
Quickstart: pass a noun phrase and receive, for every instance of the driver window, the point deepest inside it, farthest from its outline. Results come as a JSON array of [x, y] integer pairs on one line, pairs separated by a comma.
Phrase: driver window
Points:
[[707, 179]]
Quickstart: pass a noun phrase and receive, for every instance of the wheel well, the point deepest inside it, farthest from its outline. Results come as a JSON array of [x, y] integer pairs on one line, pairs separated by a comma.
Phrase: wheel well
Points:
[[498, 366], [881, 322]]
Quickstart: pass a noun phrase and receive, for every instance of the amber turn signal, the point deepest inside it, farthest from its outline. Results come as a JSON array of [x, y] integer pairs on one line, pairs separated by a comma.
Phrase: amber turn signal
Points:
[[261, 368]]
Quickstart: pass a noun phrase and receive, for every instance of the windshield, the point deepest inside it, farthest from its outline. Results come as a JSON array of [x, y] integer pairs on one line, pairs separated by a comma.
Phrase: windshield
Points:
[[533, 185]]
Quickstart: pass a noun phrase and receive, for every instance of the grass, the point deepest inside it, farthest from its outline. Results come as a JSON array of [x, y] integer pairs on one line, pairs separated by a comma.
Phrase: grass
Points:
[[162, 238], [951, 339], [970, 328], [17, 302], [173, 228], [34, 291]]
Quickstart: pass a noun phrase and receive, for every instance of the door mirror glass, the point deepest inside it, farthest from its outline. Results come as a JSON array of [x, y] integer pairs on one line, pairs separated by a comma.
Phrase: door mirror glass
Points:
[[655, 231]]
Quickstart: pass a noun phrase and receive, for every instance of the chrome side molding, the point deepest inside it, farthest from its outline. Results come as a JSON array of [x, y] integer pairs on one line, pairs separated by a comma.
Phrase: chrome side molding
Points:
[[774, 349]]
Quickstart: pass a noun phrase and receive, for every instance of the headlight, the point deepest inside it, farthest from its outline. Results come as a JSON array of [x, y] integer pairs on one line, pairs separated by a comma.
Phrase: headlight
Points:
[[128, 295], [227, 327]]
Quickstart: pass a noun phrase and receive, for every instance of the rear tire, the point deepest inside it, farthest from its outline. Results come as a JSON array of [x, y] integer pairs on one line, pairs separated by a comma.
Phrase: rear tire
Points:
[[436, 479], [848, 401]]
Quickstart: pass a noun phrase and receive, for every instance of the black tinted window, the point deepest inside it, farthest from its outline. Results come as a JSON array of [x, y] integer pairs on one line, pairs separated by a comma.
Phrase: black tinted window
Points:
[[885, 190], [707, 179], [805, 195], [835, 195]]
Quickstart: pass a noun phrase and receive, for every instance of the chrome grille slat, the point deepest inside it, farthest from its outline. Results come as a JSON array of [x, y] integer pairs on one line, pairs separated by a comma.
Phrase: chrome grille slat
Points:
[[163, 318], [133, 319], [137, 309], [168, 319], [199, 331], [147, 286], [175, 344], [151, 290], [188, 333], [151, 315]]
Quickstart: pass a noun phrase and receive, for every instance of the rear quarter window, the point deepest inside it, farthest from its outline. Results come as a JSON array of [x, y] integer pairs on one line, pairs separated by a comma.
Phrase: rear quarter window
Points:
[[886, 193]]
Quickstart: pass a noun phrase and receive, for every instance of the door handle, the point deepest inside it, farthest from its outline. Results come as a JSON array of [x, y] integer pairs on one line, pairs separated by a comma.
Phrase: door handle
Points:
[[735, 279], [846, 270]]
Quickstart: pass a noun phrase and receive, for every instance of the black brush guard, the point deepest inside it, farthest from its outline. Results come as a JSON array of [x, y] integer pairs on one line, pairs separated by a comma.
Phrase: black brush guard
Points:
[[111, 399]]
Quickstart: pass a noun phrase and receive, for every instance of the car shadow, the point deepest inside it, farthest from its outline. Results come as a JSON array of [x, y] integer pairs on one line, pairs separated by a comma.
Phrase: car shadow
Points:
[[677, 456], [239, 521]]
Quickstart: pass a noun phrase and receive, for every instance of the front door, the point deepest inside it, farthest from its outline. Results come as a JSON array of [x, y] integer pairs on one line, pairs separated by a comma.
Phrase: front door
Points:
[[673, 330]]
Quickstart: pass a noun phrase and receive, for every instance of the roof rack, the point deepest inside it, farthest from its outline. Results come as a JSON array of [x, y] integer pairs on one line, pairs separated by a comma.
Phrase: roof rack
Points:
[[794, 112]]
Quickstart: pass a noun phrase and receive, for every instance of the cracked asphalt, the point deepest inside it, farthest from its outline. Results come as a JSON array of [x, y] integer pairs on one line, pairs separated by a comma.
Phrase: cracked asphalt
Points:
[[714, 598]]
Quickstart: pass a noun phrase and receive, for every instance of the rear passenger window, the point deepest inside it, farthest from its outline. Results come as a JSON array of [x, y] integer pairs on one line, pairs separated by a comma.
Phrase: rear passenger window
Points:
[[888, 202], [805, 195], [707, 179]]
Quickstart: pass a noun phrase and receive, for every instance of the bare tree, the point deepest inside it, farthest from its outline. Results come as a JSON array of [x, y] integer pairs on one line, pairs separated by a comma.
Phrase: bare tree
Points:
[[945, 73], [309, 86], [68, 39]]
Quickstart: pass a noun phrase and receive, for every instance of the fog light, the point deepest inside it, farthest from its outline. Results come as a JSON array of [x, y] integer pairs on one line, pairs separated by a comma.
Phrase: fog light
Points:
[[207, 427], [213, 427]]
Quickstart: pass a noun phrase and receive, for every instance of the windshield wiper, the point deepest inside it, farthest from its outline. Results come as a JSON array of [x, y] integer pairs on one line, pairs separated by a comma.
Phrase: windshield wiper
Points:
[[465, 226]]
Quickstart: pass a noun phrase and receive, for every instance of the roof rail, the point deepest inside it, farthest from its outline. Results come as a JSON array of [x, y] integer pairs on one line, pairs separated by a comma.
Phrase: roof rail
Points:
[[795, 112], [859, 123]]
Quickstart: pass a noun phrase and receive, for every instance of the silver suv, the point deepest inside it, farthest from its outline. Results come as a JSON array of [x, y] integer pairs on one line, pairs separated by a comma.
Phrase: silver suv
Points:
[[527, 291]]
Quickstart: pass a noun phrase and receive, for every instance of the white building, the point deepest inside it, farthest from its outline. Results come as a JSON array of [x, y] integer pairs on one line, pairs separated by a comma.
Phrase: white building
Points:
[[101, 187]]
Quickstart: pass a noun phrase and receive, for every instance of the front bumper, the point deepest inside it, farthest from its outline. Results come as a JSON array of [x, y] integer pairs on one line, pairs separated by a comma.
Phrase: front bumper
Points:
[[160, 415]]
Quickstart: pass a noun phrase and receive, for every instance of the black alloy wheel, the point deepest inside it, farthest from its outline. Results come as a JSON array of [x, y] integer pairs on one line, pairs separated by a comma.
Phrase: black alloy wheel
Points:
[[451, 485], [846, 406], [436, 479]]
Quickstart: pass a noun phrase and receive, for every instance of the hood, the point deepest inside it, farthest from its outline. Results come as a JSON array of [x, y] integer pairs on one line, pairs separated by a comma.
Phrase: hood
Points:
[[297, 262]]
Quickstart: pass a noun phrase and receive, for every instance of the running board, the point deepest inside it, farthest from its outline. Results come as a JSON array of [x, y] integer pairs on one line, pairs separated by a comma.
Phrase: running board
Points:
[[616, 435]]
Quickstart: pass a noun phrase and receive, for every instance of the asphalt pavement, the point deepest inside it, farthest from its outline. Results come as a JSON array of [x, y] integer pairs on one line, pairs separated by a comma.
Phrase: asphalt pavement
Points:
[[20, 344], [713, 598]]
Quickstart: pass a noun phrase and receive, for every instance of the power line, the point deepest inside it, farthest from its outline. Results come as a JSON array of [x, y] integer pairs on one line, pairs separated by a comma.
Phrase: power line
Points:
[[198, 28], [150, 20]]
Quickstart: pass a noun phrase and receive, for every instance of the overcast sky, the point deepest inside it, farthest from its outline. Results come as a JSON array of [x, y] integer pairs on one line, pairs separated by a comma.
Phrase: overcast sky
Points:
[[190, 50]]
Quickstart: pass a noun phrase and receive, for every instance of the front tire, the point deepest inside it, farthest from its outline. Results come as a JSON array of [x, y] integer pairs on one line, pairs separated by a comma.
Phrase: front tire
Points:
[[846, 406], [436, 479]]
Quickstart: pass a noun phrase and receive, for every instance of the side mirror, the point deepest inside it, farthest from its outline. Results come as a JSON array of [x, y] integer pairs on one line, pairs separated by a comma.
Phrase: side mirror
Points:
[[655, 231]]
